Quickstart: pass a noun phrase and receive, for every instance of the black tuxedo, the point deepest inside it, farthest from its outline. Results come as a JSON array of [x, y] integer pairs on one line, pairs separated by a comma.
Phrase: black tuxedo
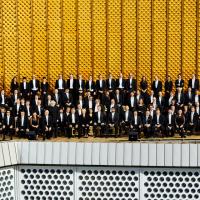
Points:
[[113, 121], [156, 123], [119, 100], [158, 88], [37, 85], [8, 127], [132, 86], [170, 127], [5, 100], [191, 124], [16, 111], [168, 86], [161, 104], [110, 84], [87, 104], [98, 88], [73, 85], [189, 99], [40, 111], [47, 132], [118, 83], [182, 99], [80, 84], [101, 123], [57, 84], [132, 107], [44, 88], [28, 111], [147, 129], [67, 99], [58, 100], [24, 91], [22, 126], [179, 84], [196, 85], [92, 86]]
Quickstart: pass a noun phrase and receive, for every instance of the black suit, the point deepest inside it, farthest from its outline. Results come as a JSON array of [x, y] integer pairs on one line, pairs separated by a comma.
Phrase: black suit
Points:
[[158, 88], [119, 100], [170, 126], [80, 85], [113, 121], [102, 87], [118, 83], [8, 126], [22, 126], [53, 111], [147, 122], [74, 125], [189, 99], [84, 122], [47, 127], [44, 88], [62, 84], [161, 103], [168, 87], [39, 111], [67, 99], [37, 85], [24, 91], [158, 126], [179, 83], [191, 124], [5, 100], [181, 100], [14, 86], [132, 104], [99, 123], [110, 84], [137, 124], [131, 86], [196, 85], [92, 86]]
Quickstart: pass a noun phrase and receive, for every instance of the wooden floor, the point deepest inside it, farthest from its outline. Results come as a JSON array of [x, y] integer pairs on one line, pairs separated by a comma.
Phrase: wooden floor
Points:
[[176, 138]]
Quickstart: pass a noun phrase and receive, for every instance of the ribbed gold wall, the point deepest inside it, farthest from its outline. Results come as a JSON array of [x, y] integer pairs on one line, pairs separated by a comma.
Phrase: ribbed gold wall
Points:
[[143, 37]]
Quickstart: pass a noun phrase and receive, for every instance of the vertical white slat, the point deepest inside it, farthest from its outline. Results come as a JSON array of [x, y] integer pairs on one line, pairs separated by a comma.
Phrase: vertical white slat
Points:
[[136, 154], [56, 153], [48, 153], [2, 163], [32, 159], [79, 153], [119, 154], [87, 154], [152, 154], [198, 155], [103, 159], [193, 155], [24, 152], [160, 154], [168, 155], [144, 155], [72, 153], [40, 153], [176, 155], [112, 154], [64, 153], [185, 155], [128, 154], [95, 153], [13, 153]]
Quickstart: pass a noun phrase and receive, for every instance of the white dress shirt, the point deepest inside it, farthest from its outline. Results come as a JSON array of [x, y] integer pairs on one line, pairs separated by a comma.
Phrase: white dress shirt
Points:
[[60, 84]]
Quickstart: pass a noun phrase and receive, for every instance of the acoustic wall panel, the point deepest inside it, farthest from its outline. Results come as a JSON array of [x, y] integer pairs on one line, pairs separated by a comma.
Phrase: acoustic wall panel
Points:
[[10, 44], [69, 38], [1, 48], [114, 37], [189, 39], [54, 41], [84, 38], [25, 45], [144, 40], [39, 37], [159, 39], [174, 38], [129, 34], [99, 42]]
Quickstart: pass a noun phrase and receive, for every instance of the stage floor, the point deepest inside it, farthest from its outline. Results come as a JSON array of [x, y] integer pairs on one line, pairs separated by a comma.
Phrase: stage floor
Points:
[[175, 139]]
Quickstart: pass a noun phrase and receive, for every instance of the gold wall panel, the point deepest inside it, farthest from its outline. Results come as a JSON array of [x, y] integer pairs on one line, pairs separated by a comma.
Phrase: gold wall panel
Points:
[[1, 48], [39, 38], [114, 37], [84, 38], [24, 20], [99, 38], [129, 42], [9, 41], [144, 40], [69, 38], [174, 39], [159, 40], [189, 39], [54, 41], [145, 37]]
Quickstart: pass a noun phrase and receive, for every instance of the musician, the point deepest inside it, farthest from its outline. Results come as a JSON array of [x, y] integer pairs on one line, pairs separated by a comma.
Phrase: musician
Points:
[[110, 83], [14, 85], [180, 123], [44, 87], [84, 121], [80, 84], [90, 85], [99, 121], [47, 125], [22, 126], [8, 125], [34, 86], [147, 122], [131, 85], [120, 82], [24, 88], [170, 124], [60, 84], [179, 83], [168, 86], [193, 83], [113, 121], [156, 86], [144, 87], [192, 121]]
